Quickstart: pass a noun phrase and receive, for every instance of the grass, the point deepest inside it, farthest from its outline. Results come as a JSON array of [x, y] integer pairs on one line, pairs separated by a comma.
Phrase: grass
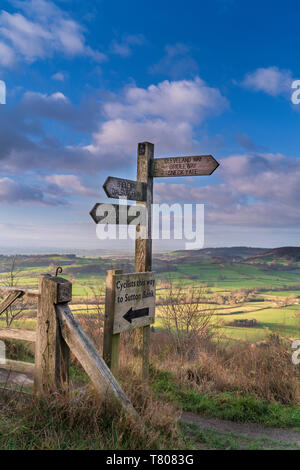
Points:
[[252, 335], [281, 320], [283, 293], [226, 405], [30, 423], [86, 422]]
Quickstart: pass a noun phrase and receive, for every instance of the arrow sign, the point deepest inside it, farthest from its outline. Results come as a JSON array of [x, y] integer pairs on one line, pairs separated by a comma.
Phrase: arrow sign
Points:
[[184, 166], [119, 187], [132, 314], [115, 214], [133, 301]]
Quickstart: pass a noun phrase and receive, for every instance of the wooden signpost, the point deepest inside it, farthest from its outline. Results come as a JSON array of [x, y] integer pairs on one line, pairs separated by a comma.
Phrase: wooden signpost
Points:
[[134, 301], [184, 166], [131, 190], [117, 214], [129, 304], [138, 311]]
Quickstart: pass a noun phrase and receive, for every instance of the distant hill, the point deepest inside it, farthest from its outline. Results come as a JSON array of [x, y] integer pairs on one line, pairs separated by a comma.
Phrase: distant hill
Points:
[[234, 253], [287, 253], [285, 257]]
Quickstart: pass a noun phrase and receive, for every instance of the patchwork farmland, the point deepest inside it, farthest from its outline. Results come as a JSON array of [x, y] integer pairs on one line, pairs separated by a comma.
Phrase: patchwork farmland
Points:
[[250, 292]]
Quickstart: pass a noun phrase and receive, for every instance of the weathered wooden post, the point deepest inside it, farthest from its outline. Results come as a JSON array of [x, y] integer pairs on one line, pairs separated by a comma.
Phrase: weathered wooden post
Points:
[[141, 191], [52, 352], [143, 247], [111, 342]]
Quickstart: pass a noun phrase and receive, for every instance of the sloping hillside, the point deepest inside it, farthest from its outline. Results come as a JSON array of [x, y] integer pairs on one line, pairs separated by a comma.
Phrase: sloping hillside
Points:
[[288, 253]]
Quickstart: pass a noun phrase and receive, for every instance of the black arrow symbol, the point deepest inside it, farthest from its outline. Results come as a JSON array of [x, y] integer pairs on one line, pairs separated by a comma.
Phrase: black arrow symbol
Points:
[[132, 314]]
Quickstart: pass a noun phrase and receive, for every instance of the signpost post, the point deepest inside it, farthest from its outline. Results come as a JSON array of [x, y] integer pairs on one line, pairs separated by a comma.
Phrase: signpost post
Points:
[[136, 310], [143, 248], [111, 342]]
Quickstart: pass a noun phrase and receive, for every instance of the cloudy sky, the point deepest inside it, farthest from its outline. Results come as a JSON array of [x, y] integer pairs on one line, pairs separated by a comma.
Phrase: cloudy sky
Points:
[[86, 81]]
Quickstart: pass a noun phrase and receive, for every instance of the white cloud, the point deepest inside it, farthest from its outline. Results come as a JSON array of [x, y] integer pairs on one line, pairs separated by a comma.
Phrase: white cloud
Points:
[[56, 192], [55, 106], [166, 114], [12, 192], [176, 63], [33, 95], [183, 100], [257, 190], [40, 31], [169, 114], [58, 96], [271, 80], [125, 46], [70, 184], [58, 76], [7, 56]]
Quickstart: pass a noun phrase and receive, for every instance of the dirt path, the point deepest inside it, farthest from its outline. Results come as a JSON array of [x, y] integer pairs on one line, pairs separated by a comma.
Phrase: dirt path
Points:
[[250, 430]]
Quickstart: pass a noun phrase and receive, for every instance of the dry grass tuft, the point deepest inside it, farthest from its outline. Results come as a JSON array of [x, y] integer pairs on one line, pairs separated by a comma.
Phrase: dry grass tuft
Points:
[[265, 372], [85, 422]]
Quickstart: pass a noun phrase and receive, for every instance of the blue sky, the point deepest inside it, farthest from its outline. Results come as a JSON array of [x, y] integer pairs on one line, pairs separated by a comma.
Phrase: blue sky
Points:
[[88, 80]]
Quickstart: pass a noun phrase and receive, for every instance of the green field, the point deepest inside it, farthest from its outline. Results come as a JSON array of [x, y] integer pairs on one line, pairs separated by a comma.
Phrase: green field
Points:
[[274, 283]]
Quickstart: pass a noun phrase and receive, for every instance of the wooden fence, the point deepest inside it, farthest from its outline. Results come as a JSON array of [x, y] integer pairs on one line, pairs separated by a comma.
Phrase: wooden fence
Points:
[[57, 333]]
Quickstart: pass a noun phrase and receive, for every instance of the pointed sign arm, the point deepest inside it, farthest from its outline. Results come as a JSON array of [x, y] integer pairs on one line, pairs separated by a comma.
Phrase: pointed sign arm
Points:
[[116, 214], [197, 165], [119, 187]]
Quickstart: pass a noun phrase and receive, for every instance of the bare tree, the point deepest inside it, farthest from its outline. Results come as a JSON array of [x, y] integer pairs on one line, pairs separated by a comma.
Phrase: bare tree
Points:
[[11, 279], [93, 317], [186, 318]]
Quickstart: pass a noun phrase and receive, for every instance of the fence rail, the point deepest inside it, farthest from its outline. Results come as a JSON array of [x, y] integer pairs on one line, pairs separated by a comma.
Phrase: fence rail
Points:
[[14, 333], [57, 333], [18, 366], [33, 293]]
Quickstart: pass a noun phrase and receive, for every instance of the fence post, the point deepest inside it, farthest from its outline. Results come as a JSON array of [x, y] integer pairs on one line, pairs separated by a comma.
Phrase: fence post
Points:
[[52, 352], [111, 342]]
